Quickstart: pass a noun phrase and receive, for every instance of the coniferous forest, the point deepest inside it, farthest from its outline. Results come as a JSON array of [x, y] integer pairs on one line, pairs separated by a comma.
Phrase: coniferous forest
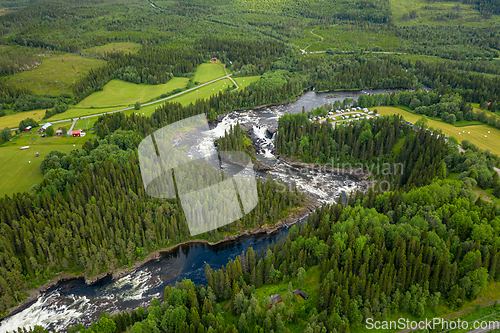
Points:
[[420, 240]]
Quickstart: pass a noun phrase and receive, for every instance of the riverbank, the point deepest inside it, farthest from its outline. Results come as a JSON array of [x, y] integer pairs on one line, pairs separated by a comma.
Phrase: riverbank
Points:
[[295, 216]]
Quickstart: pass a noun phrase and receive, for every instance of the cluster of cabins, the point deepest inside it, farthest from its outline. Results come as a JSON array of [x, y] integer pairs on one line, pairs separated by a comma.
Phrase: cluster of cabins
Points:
[[275, 299], [348, 113], [43, 129]]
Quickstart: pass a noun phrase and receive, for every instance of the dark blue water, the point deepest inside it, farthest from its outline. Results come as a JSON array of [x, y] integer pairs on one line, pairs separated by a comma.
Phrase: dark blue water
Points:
[[73, 301]]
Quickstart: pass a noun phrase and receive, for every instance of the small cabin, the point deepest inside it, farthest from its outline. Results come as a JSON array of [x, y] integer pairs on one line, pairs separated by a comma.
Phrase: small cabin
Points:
[[28, 128], [76, 133], [213, 60], [59, 132], [43, 129], [300, 293], [275, 299]]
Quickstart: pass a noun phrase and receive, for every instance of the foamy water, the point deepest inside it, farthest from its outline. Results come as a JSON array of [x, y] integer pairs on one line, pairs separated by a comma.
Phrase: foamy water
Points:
[[73, 302]]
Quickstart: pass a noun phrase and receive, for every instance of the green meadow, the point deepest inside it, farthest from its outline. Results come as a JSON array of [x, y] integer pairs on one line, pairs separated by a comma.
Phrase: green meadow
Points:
[[203, 92], [208, 72], [483, 136], [243, 82], [19, 175], [56, 74], [13, 120], [120, 93], [20, 169]]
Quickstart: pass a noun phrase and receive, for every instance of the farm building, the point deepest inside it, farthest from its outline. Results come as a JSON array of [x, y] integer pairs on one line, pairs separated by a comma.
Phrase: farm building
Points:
[[44, 127], [76, 133], [28, 128], [59, 132], [25, 147], [275, 299], [301, 293]]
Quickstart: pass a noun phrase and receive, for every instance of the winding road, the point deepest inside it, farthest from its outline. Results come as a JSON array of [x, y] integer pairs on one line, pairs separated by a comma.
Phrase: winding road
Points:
[[227, 76]]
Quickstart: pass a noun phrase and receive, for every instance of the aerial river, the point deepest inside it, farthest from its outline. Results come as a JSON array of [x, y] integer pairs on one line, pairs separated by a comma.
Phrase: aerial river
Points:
[[71, 302]]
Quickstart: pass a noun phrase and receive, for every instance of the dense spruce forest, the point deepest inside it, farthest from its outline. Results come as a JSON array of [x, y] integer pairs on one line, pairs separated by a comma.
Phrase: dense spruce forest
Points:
[[397, 252], [385, 146], [91, 214], [426, 243]]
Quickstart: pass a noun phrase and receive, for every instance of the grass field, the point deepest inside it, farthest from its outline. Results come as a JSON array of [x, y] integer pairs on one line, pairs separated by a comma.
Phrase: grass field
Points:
[[85, 123], [120, 93], [185, 99], [56, 74], [13, 120], [243, 82], [126, 47], [203, 92], [474, 133], [18, 174], [80, 112], [208, 72]]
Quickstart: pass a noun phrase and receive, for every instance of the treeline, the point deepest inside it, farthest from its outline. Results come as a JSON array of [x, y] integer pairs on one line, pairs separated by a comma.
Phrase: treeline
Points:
[[475, 167], [369, 74], [153, 65], [445, 78], [241, 52], [91, 214], [487, 8], [158, 64], [399, 252], [395, 253], [386, 146], [32, 102], [341, 72], [449, 41], [264, 91], [16, 59]]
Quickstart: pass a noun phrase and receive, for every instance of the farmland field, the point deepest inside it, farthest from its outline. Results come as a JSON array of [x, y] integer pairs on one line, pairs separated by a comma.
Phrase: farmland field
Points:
[[120, 93], [13, 120], [18, 175], [243, 82], [56, 74], [80, 112], [185, 99], [208, 72], [203, 92], [87, 123], [477, 132]]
